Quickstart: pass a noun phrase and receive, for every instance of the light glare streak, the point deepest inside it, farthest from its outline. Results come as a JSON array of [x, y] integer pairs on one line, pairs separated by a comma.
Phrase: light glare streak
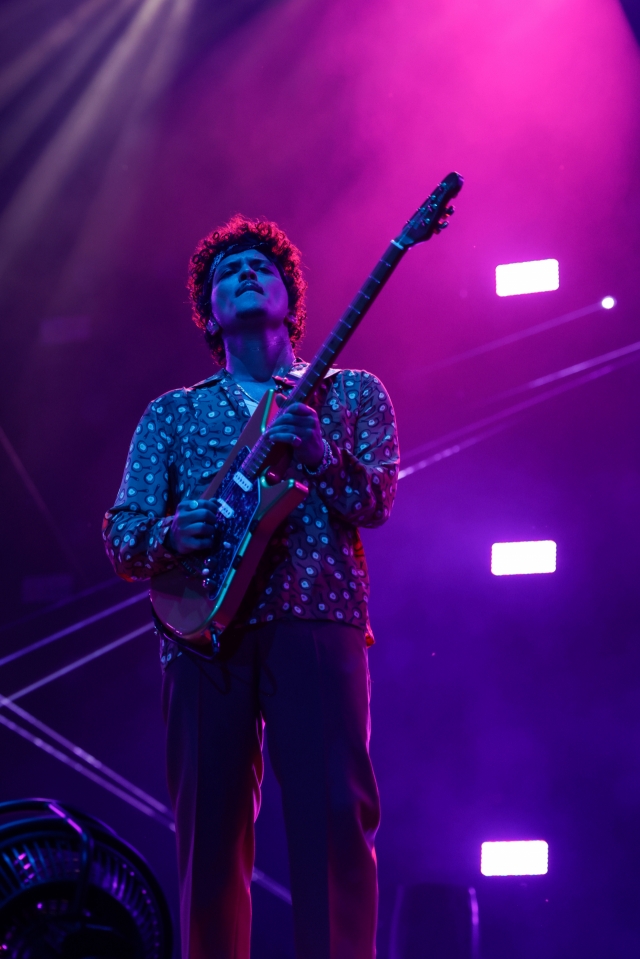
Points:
[[35, 112], [57, 160], [150, 85], [21, 70]]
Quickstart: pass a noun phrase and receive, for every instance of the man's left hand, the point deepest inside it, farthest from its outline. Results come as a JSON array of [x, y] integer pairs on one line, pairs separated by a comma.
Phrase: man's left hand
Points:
[[300, 427]]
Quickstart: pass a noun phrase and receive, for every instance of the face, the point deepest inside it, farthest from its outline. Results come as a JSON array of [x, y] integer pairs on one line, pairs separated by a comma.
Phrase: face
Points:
[[248, 293]]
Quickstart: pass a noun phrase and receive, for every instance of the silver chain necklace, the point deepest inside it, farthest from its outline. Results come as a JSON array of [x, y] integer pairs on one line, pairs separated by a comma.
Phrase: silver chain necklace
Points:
[[246, 392]]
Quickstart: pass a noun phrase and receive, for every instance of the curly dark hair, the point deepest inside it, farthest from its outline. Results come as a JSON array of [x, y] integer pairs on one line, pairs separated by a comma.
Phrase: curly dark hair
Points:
[[275, 244]]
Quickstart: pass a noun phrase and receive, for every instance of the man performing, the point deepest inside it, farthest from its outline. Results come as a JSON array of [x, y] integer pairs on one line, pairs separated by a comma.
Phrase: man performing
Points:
[[295, 657]]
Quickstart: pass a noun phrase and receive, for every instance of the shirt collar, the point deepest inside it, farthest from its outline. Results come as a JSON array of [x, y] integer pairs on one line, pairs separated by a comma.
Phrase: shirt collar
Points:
[[300, 367], [297, 370]]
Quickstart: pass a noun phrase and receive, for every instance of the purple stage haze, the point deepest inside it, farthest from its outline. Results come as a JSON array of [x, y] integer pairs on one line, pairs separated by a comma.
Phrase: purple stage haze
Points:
[[503, 707]]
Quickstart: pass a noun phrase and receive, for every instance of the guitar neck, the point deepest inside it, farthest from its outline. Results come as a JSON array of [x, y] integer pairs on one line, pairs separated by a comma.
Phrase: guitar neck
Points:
[[347, 324], [430, 218], [332, 346]]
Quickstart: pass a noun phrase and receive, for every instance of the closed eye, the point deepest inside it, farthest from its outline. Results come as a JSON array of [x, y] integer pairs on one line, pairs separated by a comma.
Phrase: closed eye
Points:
[[227, 272]]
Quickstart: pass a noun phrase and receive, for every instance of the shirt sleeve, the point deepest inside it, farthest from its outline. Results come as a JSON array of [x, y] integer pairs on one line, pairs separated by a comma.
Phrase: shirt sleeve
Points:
[[135, 528], [360, 484]]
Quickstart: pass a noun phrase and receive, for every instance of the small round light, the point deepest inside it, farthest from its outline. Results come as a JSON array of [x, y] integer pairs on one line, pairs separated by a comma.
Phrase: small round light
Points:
[[607, 303]]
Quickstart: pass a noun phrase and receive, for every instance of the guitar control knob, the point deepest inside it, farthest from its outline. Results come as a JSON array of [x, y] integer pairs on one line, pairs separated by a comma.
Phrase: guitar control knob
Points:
[[205, 572]]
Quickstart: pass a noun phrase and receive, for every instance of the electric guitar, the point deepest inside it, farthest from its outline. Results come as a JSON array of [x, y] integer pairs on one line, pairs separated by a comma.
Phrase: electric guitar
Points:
[[197, 600]]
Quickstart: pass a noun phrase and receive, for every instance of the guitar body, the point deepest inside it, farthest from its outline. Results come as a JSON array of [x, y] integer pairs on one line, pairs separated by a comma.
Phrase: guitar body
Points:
[[198, 605]]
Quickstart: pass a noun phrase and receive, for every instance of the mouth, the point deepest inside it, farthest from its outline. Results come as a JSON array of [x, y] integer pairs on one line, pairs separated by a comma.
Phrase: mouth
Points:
[[247, 286]]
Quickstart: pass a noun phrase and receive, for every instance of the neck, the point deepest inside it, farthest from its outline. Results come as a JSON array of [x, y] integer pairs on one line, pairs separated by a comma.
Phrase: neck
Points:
[[259, 355]]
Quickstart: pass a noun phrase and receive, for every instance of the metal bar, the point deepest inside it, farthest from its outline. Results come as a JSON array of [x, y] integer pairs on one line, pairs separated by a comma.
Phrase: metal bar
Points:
[[510, 338], [259, 877], [79, 662], [505, 414], [567, 371], [85, 756], [88, 773], [451, 450], [58, 604], [271, 885], [89, 621]]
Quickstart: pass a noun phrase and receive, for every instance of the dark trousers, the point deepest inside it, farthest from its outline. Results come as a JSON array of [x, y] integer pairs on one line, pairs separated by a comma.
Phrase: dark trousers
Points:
[[309, 681]]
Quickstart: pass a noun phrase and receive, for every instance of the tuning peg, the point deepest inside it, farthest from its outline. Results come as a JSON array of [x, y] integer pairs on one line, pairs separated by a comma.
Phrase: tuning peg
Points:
[[442, 225], [450, 210]]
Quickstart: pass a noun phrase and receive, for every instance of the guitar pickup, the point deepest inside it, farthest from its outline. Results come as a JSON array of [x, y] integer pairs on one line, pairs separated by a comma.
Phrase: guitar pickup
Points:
[[226, 510], [242, 481]]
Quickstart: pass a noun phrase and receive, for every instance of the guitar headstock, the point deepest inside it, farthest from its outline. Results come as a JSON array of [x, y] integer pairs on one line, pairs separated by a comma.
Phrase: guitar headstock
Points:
[[433, 215]]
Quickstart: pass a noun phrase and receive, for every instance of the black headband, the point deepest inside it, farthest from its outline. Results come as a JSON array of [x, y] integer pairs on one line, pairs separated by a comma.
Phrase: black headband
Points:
[[250, 243]]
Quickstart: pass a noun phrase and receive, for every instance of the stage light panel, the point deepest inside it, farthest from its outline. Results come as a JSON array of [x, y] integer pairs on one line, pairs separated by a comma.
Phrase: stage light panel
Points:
[[517, 559], [607, 303], [523, 857], [534, 276]]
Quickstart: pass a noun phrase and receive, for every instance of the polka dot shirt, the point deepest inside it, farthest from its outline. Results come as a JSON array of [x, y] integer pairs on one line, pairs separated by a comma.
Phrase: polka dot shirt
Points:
[[314, 567]]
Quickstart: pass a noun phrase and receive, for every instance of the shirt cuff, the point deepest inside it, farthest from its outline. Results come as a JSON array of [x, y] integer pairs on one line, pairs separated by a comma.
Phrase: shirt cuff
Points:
[[159, 547], [325, 462]]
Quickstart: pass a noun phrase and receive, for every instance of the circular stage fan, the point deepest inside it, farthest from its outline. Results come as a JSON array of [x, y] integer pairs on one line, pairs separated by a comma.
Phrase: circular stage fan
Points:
[[71, 889]]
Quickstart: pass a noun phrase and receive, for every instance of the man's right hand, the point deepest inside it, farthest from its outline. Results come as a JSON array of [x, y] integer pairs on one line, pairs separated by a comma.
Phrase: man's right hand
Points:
[[194, 525]]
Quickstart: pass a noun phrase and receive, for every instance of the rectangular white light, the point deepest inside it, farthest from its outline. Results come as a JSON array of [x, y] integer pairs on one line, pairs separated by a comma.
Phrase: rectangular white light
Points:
[[516, 559], [535, 276], [527, 857]]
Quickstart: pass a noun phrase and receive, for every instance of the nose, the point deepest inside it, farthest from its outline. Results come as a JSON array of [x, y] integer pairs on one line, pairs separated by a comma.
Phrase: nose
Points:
[[247, 272]]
